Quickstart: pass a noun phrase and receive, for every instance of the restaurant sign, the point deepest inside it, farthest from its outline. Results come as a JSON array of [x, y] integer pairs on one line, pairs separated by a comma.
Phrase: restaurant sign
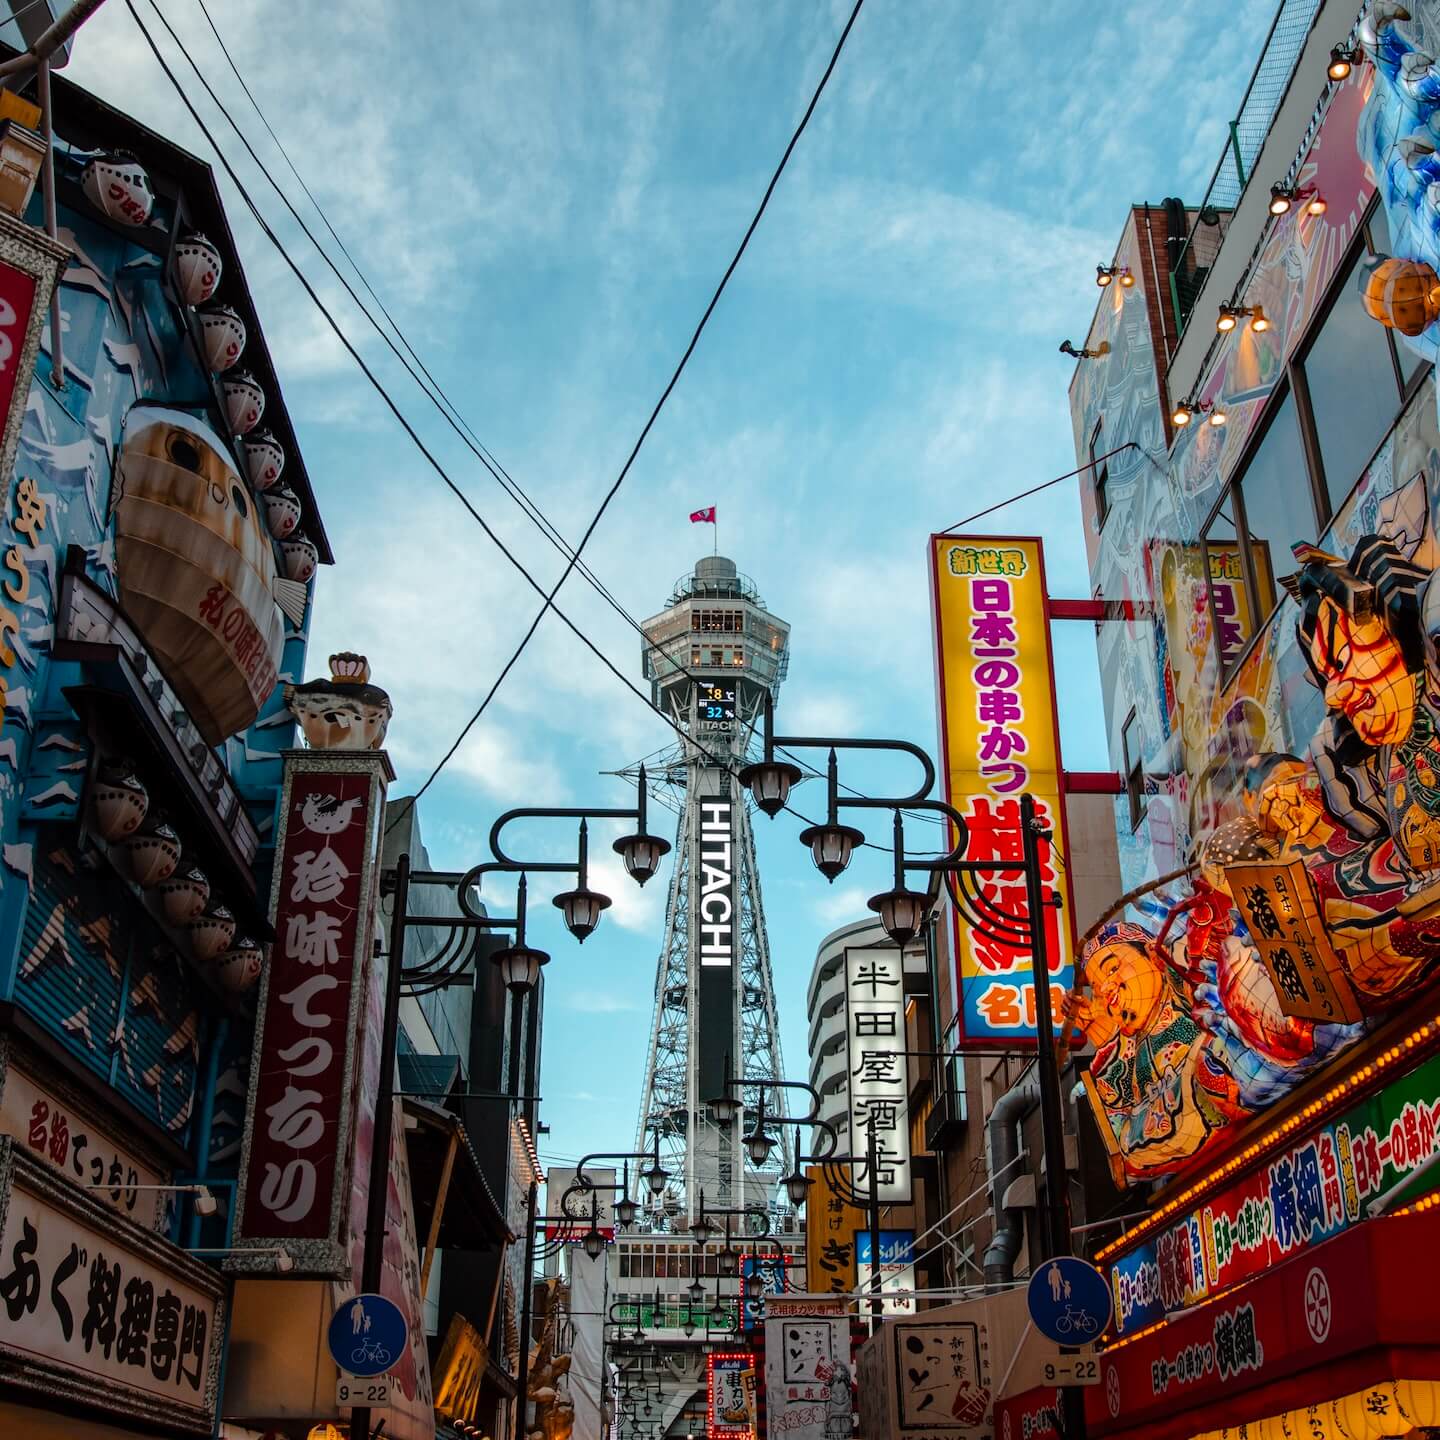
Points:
[[879, 1073], [830, 1228], [99, 1311], [1001, 740], [294, 1174], [1310, 1191]]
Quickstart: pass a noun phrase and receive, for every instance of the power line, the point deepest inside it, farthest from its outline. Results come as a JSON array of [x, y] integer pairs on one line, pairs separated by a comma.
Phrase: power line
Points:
[[1036, 489]]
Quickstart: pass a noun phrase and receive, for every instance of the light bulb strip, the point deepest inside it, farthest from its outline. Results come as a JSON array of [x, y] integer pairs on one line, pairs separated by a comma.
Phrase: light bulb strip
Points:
[[1419, 1043]]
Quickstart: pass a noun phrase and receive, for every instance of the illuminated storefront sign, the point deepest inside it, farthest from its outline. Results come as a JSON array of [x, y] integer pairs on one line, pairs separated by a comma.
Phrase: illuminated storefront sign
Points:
[[727, 1412], [99, 1311], [292, 1182], [1001, 740], [879, 1084], [830, 1226], [897, 1268], [1307, 1193]]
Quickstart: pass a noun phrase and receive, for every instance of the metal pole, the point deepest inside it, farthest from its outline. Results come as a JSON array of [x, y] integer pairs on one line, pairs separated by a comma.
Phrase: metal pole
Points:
[[522, 1380], [47, 188], [517, 1019], [384, 1103], [872, 1163], [1057, 1178]]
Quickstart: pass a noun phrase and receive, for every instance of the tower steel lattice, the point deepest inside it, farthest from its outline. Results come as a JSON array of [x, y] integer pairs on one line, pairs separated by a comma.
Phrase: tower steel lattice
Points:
[[711, 656]]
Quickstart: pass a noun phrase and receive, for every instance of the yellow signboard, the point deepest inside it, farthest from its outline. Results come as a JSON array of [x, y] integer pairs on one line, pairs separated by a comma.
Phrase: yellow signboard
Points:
[[1000, 740], [831, 1224]]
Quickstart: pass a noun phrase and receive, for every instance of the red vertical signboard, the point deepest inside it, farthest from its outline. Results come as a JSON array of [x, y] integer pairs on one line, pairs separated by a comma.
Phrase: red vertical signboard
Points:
[[293, 1189], [17, 300]]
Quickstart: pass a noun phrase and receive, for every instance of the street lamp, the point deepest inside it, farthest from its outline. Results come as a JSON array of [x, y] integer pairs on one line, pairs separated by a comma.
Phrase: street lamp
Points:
[[770, 781], [797, 1182], [758, 1143], [725, 1106], [625, 1212], [901, 910], [641, 853], [729, 1257], [594, 1243], [702, 1229], [582, 907], [696, 1292]]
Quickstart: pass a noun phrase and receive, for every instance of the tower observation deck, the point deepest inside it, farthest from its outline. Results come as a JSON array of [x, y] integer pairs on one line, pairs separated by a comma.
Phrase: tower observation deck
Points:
[[711, 656]]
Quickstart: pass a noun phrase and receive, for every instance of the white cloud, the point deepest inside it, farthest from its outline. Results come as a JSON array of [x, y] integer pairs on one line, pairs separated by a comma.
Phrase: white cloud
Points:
[[841, 906]]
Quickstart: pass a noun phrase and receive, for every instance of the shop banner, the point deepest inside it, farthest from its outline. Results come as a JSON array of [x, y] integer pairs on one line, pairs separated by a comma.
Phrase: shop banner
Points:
[[584, 1205], [300, 1116], [1309, 1192], [98, 1310], [879, 1073], [831, 1224], [1031, 1415], [808, 1391], [728, 1414], [1001, 739], [1359, 1293], [897, 1268], [774, 1273]]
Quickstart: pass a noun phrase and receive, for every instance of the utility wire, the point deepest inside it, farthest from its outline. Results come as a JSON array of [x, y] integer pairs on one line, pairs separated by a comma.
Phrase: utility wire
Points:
[[438, 397], [1036, 489]]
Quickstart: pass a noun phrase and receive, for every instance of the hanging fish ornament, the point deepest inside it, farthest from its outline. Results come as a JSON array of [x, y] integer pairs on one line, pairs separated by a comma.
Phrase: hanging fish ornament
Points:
[[223, 332], [238, 968], [282, 511], [118, 800], [211, 932], [244, 401], [299, 556], [116, 184], [264, 459], [153, 851], [198, 267], [183, 896]]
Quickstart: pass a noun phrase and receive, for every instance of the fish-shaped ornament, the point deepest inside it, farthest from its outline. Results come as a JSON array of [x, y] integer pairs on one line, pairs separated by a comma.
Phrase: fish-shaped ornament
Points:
[[244, 401], [198, 267], [264, 458], [197, 570], [223, 333], [116, 184]]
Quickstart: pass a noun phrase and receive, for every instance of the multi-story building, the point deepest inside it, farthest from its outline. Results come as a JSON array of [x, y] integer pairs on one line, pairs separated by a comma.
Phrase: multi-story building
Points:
[[1256, 404]]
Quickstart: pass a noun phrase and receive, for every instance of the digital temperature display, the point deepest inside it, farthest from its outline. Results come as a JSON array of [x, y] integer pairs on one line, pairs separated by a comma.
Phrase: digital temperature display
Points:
[[717, 703]]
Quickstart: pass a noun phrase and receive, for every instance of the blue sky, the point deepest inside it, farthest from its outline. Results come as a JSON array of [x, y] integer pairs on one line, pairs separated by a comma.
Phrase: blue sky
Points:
[[545, 196]]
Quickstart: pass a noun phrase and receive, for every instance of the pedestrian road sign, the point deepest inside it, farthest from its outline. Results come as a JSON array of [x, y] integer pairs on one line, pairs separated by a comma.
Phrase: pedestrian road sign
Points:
[[1069, 1301], [367, 1335]]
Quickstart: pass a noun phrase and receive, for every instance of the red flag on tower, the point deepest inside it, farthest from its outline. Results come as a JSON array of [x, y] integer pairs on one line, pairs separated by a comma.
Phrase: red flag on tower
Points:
[[703, 517]]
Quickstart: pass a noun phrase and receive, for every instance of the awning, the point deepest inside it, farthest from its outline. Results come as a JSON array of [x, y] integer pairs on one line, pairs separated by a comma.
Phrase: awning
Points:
[[429, 1077], [1346, 1317], [454, 1206]]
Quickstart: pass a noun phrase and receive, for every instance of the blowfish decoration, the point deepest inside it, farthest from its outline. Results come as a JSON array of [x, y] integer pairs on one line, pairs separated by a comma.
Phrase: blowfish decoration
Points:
[[264, 459], [116, 184], [198, 268], [223, 332], [244, 400]]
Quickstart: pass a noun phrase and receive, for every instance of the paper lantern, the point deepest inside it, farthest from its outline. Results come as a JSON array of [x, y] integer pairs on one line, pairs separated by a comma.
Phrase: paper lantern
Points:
[[282, 511], [197, 268], [211, 932], [116, 184], [300, 557], [244, 401], [223, 334], [238, 968], [264, 458], [183, 896], [152, 852], [118, 801], [1403, 294]]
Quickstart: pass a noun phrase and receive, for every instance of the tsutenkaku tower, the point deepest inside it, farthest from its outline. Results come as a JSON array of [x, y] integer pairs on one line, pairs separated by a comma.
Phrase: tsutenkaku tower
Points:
[[710, 657]]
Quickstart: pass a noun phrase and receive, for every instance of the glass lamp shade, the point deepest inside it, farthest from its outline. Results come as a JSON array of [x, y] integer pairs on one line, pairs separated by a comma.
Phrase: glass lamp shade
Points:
[[758, 1146], [797, 1187], [754, 1286], [702, 1231], [725, 1108], [901, 912], [831, 847], [697, 1292], [655, 1177], [641, 855], [717, 1315], [689, 1326], [625, 1211], [769, 782], [594, 1243], [582, 909], [519, 966], [729, 1262]]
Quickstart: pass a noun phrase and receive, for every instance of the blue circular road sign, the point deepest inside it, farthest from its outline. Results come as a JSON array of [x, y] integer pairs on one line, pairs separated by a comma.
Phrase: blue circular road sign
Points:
[[367, 1335], [1069, 1301]]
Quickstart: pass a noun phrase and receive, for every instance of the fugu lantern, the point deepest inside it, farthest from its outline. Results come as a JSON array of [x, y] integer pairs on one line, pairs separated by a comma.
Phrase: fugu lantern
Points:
[[244, 401], [153, 852], [1401, 294], [116, 184], [223, 332], [238, 968], [345, 712], [183, 895], [211, 932], [264, 459], [300, 557], [197, 268], [282, 511], [118, 800]]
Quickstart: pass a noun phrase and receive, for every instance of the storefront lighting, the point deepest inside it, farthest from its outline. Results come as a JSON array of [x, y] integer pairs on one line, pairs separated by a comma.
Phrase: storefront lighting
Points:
[[1227, 319], [1259, 320], [1106, 274], [1218, 417], [1316, 205], [1282, 197], [205, 1203], [1182, 414], [1343, 59]]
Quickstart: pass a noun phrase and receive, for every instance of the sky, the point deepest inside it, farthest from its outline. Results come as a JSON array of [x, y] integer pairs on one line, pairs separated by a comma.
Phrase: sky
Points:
[[544, 196]]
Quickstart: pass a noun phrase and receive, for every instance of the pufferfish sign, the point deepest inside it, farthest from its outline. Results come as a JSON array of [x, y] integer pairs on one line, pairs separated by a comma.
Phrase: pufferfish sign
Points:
[[1314, 909]]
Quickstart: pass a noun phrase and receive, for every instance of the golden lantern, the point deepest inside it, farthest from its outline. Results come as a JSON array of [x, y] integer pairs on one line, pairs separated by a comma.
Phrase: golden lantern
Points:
[[1402, 294]]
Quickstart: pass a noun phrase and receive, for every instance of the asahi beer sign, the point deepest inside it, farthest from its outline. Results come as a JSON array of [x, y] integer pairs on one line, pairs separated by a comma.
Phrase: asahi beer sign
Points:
[[717, 884], [296, 1161]]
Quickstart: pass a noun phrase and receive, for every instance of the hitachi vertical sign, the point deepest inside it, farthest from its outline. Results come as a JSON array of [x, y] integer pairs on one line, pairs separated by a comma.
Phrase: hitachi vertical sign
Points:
[[716, 930]]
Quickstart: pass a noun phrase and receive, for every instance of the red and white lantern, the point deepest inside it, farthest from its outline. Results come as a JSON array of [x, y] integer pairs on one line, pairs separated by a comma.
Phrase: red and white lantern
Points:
[[116, 185], [198, 268], [264, 459], [244, 401], [282, 511], [223, 333]]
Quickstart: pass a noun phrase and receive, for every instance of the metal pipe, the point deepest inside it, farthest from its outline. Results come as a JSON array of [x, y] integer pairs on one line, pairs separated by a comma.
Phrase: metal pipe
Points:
[[384, 1104], [1003, 1131], [47, 188], [53, 38], [205, 1122], [522, 1380]]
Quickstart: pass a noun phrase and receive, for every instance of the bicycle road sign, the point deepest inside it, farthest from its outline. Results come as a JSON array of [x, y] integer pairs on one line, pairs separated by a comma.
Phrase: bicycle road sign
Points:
[[1069, 1301], [367, 1335]]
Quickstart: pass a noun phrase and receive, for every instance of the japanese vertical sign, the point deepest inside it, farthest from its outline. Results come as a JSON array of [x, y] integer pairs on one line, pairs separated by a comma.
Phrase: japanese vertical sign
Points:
[[1283, 918], [99, 1310], [294, 1174], [808, 1392], [879, 1077], [728, 1414], [1000, 739], [830, 1226]]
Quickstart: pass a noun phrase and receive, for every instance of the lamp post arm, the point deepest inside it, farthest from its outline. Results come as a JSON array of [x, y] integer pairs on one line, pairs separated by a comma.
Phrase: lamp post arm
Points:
[[544, 812], [858, 802]]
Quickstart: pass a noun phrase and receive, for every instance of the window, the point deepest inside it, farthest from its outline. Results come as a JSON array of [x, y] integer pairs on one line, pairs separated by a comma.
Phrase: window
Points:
[[1134, 769], [717, 657], [1099, 476]]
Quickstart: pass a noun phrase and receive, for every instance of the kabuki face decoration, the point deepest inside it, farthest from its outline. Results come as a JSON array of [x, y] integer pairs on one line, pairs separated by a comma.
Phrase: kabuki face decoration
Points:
[[1365, 676], [1125, 980]]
